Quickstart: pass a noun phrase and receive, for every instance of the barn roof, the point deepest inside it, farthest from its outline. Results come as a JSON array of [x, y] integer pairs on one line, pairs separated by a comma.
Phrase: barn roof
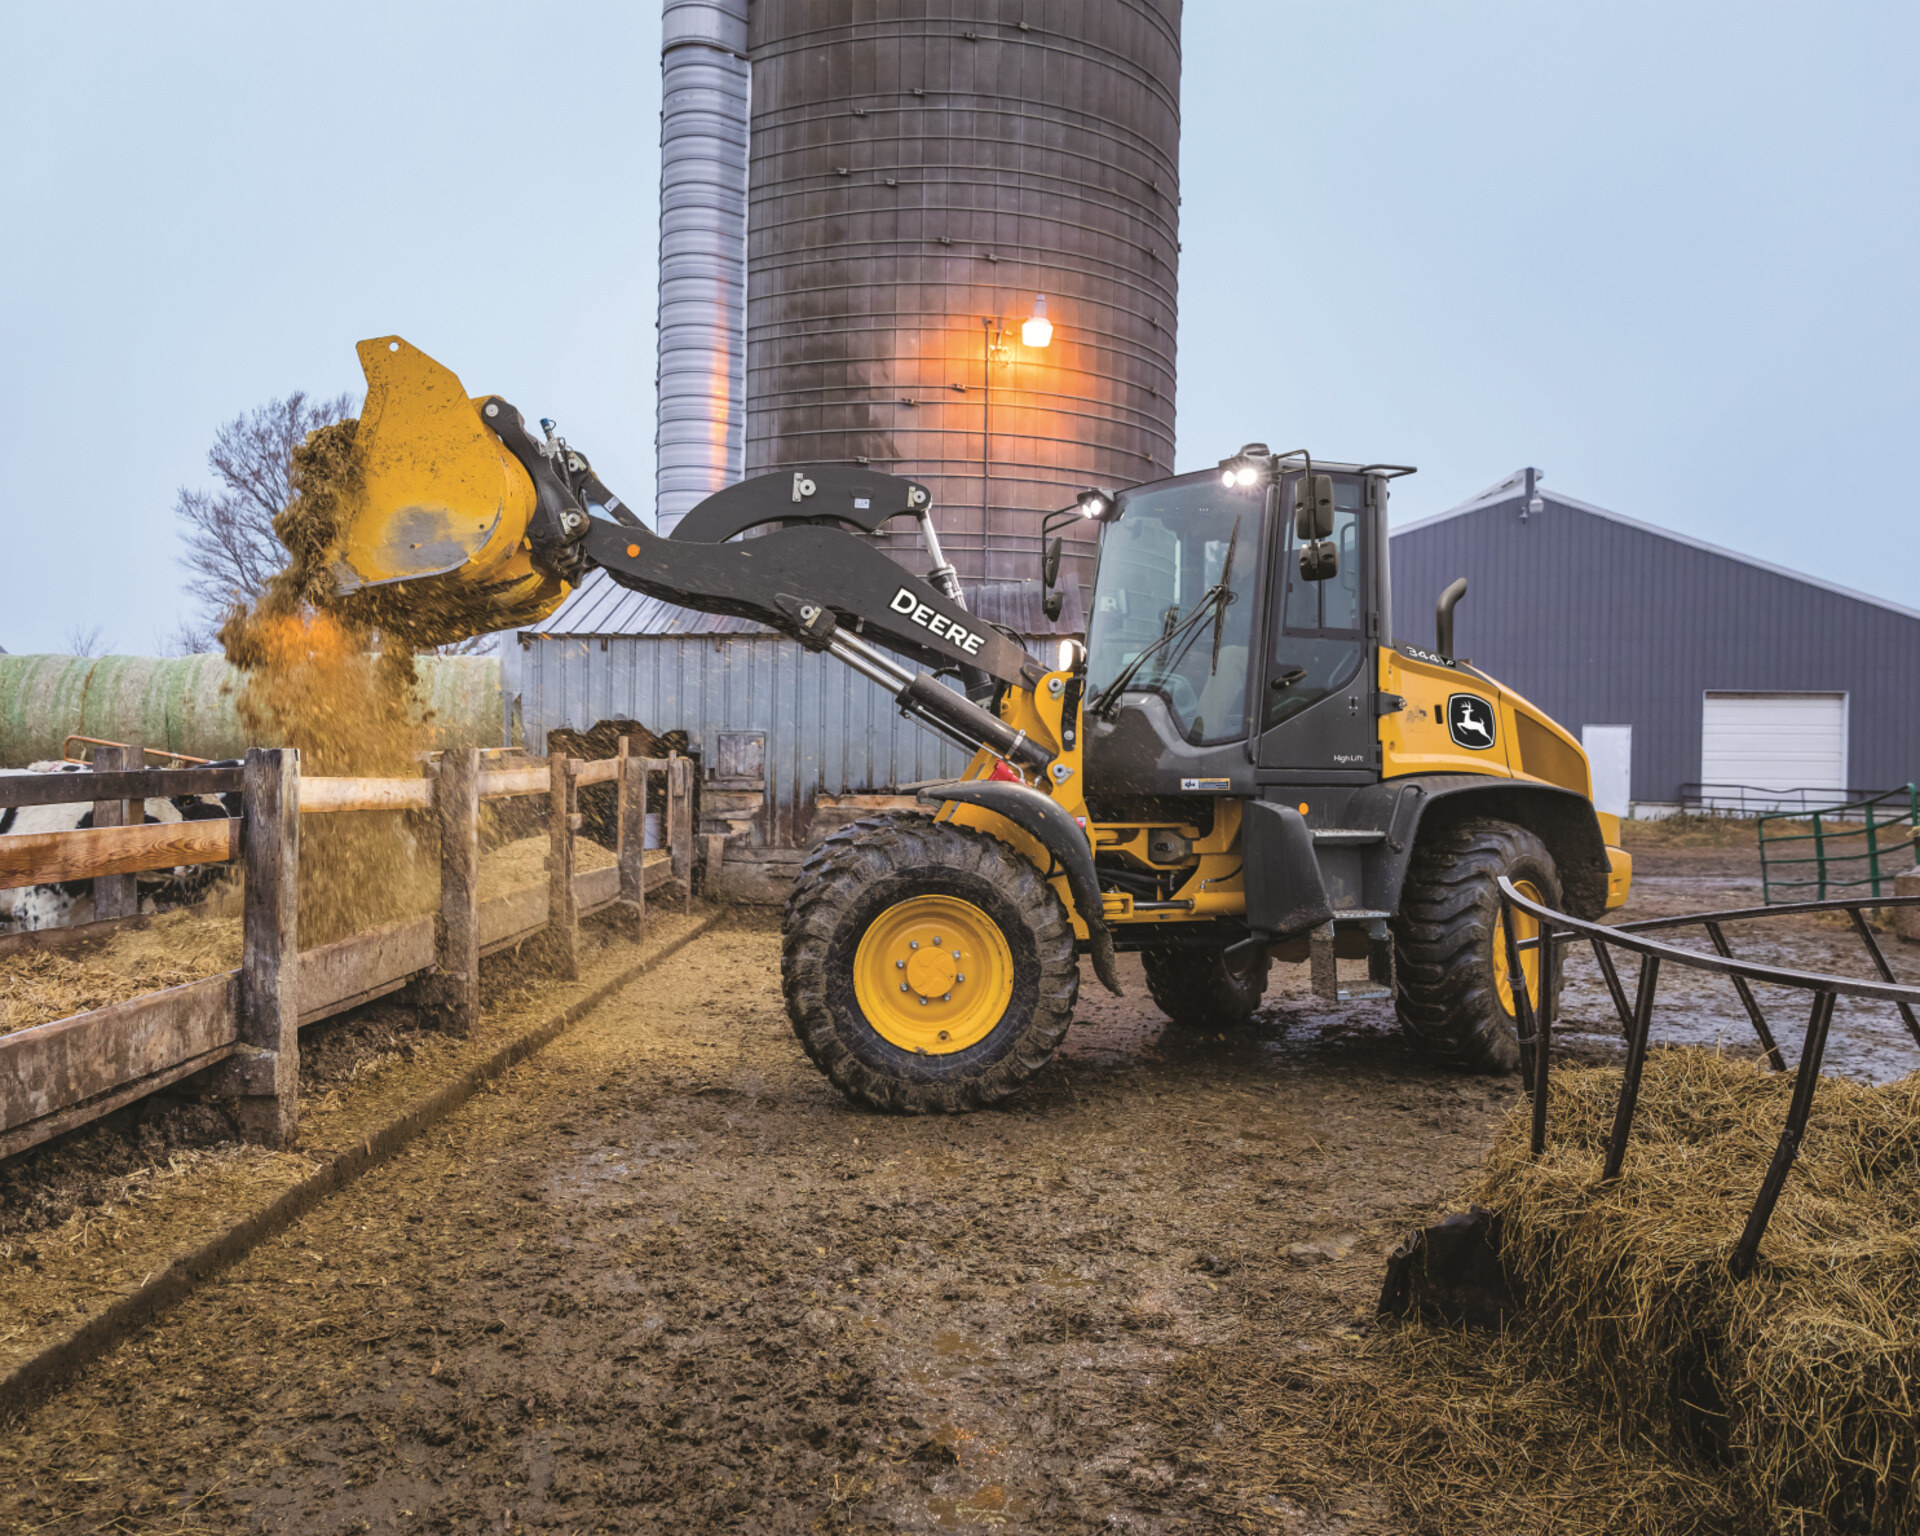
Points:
[[1512, 489]]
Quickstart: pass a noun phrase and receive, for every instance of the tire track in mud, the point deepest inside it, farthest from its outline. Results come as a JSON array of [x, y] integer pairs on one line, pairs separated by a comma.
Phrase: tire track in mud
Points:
[[665, 1279]]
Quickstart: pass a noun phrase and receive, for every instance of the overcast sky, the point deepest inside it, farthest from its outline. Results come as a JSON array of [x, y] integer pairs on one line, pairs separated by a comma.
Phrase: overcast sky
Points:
[[1665, 252]]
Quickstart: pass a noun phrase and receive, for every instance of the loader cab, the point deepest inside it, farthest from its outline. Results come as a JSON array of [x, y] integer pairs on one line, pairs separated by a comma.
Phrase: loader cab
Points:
[[1234, 669]]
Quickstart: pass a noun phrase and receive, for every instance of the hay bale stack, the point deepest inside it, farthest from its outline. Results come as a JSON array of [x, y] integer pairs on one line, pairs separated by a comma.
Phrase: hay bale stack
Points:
[[1804, 1379]]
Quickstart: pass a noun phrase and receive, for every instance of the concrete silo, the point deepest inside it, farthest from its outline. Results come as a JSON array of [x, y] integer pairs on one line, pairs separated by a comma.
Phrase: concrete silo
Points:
[[703, 227], [920, 171]]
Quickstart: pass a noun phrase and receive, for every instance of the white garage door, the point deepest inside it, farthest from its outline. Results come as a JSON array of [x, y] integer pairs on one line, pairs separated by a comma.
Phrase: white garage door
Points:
[[1772, 741]]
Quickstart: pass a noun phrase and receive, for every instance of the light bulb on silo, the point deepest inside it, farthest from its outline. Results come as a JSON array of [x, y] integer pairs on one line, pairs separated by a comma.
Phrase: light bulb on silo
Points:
[[1037, 330]]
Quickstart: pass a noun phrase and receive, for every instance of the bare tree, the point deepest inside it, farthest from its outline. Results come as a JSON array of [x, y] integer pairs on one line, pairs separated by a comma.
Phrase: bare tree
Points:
[[230, 546], [84, 640], [186, 638]]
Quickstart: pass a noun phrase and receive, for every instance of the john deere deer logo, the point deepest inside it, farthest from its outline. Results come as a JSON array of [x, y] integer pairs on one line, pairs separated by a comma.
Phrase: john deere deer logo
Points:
[[1470, 721]]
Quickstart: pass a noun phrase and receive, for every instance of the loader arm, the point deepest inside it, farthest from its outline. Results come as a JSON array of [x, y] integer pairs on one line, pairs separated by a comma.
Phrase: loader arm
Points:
[[812, 562], [463, 521], [768, 577]]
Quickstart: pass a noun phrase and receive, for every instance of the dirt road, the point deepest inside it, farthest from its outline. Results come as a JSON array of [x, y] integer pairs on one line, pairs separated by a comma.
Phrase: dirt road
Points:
[[666, 1280]]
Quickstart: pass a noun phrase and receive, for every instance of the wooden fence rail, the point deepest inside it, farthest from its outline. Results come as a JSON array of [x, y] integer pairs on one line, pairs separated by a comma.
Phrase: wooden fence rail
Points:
[[244, 1024], [48, 858], [18, 790]]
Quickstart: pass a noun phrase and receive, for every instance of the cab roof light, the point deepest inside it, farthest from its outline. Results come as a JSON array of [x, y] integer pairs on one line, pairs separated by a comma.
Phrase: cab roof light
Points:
[[1250, 465]]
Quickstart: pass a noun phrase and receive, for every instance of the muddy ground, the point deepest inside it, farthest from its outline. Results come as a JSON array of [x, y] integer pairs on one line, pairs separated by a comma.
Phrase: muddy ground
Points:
[[665, 1279]]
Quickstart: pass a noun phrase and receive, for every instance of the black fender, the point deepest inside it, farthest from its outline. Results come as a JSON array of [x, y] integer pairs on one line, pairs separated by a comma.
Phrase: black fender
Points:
[[1561, 818], [1049, 822], [1285, 895]]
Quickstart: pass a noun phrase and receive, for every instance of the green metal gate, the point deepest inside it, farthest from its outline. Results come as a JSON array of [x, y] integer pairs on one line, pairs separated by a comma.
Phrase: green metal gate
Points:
[[1860, 845]]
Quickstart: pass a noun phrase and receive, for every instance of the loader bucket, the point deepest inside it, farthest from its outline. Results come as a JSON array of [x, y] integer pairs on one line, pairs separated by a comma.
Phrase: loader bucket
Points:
[[432, 539]]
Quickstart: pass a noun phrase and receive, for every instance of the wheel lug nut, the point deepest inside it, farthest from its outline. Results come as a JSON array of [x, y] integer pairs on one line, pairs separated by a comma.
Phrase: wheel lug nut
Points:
[[913, 943], [936, 941], [946, 997], [903, 986], [958, 977], [944, 1035], [956, 954], [899, 965], [923, 1002]]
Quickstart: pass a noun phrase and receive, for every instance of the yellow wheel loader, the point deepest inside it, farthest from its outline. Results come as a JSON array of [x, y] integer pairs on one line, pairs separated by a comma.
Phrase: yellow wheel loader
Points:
[[1242, 765]]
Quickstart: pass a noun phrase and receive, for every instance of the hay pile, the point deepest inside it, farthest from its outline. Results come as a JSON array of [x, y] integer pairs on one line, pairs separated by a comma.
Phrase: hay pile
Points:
[[1804, 1380], [1642, 1391], [522, 863], [38, 986]]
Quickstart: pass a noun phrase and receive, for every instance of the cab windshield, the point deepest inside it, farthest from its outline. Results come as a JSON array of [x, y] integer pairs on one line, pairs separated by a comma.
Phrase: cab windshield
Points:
[[1173, 602]]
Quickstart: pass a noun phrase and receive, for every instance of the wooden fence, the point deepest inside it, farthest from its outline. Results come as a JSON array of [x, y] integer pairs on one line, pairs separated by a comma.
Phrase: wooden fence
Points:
[[246, 1023]]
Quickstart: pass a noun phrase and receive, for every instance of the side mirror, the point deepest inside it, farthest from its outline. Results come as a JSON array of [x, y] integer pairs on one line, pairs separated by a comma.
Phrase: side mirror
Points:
[[1319, 561], [1050, 605], [1313, 510], [1050, 566]]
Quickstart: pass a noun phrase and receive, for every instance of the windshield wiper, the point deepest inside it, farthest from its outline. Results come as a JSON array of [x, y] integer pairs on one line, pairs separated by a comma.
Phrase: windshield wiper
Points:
[[1220, 609]]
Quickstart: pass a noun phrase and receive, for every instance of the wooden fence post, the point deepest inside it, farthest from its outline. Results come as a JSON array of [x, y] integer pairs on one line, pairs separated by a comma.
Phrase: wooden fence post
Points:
[[456, 929], [267, 1072], [632, 854], [622, 751], [680, 824], [117, 895], [563, 917]]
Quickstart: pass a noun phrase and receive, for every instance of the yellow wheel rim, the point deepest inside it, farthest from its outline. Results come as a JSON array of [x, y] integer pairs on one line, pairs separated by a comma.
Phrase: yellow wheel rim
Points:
[[1525, 926], [933, 975]]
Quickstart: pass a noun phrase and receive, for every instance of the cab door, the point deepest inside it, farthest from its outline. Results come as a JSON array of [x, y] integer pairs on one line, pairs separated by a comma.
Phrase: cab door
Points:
[[1316, 697]]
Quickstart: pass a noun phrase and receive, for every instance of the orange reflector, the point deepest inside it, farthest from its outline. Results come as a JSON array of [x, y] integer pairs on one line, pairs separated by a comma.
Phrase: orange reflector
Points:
[[1303, 807], [633, 551]]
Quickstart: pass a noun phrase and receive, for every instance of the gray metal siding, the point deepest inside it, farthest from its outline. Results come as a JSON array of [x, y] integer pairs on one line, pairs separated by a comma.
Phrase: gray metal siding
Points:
[[828, 729], [1601, 623]]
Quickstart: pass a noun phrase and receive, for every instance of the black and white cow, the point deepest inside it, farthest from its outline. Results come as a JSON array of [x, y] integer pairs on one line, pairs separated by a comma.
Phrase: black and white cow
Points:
[[71, 901]]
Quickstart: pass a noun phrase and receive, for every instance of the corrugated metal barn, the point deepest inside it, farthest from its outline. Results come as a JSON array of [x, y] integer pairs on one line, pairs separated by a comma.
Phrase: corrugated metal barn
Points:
[[1696, 674], [758, 709]]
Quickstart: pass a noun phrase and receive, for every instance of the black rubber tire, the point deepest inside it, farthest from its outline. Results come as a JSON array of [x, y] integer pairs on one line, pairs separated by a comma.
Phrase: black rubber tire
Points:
[[1197, 989], [855, 875], [1443, 940]]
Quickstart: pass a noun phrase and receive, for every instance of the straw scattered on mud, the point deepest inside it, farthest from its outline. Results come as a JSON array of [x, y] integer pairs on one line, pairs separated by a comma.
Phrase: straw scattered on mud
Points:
[[1459, 1434]]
